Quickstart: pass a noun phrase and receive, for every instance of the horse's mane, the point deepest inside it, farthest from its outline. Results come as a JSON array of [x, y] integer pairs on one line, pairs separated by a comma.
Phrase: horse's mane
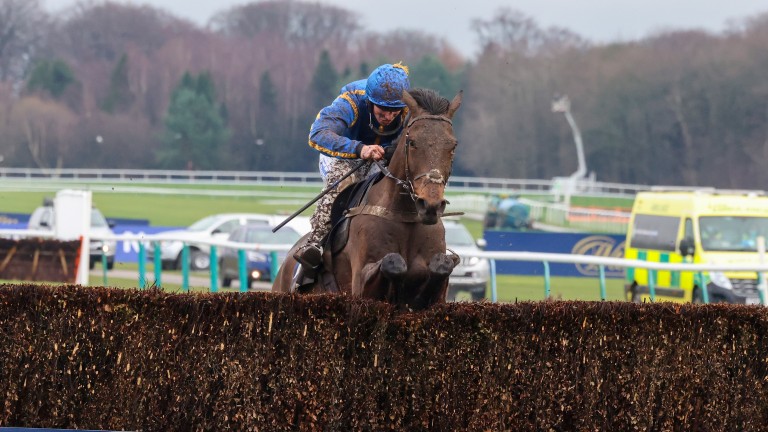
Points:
[[430, 100]]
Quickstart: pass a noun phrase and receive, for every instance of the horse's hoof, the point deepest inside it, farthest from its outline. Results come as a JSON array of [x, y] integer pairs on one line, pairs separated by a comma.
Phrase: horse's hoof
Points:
[[441, 265], [393, 265]]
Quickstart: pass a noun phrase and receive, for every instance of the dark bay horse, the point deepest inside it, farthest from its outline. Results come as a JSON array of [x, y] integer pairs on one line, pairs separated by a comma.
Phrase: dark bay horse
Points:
[[396, 246]]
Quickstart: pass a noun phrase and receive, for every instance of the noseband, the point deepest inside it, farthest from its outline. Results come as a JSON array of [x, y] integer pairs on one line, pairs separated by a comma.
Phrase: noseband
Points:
[[432, 175]]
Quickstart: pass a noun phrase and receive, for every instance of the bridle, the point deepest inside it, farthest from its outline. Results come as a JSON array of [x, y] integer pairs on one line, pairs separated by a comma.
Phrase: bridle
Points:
[[433, 175]]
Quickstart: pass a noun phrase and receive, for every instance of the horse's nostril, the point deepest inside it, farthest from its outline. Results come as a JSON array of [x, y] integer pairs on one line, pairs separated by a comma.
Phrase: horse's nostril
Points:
[[421, 204]]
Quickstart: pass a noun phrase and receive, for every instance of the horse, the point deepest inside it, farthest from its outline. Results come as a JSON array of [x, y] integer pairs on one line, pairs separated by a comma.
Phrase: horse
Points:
[[395, 250]]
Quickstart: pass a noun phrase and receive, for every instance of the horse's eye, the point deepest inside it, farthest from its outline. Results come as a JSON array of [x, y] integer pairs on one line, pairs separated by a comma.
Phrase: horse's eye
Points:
[[411, 142]]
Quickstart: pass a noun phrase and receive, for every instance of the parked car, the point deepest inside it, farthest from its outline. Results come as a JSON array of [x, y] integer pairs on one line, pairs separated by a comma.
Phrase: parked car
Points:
[[44, 219], [259, 263], [469, 279], [217, 226]]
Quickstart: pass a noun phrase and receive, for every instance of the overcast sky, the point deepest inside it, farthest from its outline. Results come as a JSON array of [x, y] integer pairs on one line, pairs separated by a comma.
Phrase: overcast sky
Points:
[[597, 20]]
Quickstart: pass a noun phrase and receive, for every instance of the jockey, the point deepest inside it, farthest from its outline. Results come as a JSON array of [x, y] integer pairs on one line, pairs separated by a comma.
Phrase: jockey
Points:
[[361, 123]]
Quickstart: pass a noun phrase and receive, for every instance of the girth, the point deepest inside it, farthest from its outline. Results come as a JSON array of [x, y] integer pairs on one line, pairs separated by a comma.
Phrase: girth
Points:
[[374, 210], [405, 217]]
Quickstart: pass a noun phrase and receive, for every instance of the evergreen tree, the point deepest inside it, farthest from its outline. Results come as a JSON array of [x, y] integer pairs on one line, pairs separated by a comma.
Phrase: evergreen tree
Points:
[[267, 93], [52, 76], [195, 128], [364, 69], [324, 82], [119, 97], [205, 87], [430, 73], [266, 135]]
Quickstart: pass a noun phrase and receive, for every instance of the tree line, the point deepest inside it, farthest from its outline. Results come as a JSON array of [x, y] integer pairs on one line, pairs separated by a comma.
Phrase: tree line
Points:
[[113, 85]]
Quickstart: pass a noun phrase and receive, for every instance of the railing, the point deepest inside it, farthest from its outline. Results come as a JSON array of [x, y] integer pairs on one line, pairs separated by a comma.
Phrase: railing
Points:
[[156, 239], [578, 219], [27, 177], [545, 258]]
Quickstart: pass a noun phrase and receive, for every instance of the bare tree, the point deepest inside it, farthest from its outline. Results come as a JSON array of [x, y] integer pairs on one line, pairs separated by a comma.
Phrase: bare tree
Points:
[[105, 31], [44, 129], [511, 30], [297, 22], [113, 140], [409, 46], [22, 23]]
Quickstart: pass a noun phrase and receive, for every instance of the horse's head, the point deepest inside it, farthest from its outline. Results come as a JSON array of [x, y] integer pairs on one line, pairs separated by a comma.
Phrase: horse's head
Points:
[[424, 156]]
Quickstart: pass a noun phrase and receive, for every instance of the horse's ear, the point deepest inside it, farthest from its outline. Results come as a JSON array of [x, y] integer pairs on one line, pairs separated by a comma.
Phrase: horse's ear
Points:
[[410, 102], [455, 104]]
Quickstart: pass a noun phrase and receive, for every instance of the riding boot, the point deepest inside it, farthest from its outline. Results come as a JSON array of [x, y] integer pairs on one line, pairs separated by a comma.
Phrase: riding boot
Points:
[[309, 256]]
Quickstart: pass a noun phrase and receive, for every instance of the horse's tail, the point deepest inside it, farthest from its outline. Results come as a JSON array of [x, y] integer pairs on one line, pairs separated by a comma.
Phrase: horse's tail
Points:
[[283, 282], [284, 278]]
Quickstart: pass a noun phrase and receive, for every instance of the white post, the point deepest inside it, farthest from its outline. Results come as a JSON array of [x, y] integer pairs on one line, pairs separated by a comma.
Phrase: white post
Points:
[[763, 285], [73, 221]]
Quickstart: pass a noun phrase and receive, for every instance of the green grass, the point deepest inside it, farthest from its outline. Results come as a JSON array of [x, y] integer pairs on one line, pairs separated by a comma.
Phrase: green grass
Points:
[[511, 288], [179, 210], [160, 210], [182, 210], [591, 201]]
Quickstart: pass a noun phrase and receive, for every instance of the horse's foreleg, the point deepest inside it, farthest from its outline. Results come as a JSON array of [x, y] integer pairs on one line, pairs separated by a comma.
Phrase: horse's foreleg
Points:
[[383, 279], [436, 287]]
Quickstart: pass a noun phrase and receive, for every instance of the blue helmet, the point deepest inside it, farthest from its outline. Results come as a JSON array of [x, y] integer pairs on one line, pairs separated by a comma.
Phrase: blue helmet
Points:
[[386, 84]]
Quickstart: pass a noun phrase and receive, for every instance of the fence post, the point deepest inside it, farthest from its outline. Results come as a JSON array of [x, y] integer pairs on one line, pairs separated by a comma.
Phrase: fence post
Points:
[[704, 288], [241, 270], [546, 280], [273, 266], [603, 292], [494, 293], [214, 265], [158, 264], [104, 264], [762, 287], [142, 265], [185, 267]]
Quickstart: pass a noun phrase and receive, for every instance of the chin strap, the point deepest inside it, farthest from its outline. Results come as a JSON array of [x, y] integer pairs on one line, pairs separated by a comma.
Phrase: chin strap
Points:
[[376, 130]]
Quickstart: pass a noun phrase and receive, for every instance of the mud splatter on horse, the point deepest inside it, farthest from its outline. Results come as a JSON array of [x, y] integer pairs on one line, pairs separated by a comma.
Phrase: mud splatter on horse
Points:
[[395, 250]]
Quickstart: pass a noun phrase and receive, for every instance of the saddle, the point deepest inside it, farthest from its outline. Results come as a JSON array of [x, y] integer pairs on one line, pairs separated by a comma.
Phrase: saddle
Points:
[[353, 196]]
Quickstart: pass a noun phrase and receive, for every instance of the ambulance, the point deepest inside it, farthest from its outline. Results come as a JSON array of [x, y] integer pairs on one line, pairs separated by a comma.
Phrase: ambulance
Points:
[[703, 226]]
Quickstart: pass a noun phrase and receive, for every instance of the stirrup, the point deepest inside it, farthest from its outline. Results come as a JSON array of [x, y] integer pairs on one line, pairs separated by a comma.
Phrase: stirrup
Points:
[[301, 279], [310, 257]]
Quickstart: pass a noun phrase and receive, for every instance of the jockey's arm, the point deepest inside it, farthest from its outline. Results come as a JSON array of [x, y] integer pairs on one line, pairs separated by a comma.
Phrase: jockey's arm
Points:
[[330, 126]]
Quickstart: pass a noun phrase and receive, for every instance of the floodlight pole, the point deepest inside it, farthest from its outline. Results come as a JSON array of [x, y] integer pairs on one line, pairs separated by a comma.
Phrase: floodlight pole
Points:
[[563, 104]]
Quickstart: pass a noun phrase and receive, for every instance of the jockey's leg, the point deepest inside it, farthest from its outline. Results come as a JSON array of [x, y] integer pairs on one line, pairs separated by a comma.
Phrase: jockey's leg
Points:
[[310, 255]]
